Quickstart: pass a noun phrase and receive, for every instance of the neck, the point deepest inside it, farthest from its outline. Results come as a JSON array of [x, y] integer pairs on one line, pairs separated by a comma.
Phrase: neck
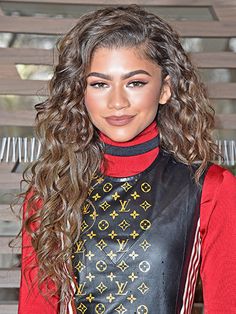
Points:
[[122, 159]]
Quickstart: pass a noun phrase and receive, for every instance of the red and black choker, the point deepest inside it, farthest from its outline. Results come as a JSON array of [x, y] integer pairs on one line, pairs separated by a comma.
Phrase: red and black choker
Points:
[[126, 151]]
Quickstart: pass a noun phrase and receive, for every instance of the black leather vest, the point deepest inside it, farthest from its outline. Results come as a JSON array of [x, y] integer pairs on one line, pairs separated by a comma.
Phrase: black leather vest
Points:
[[136, 240]]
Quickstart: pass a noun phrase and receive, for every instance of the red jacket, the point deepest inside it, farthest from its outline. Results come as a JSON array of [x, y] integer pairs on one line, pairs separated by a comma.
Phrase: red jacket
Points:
[[218, 253]]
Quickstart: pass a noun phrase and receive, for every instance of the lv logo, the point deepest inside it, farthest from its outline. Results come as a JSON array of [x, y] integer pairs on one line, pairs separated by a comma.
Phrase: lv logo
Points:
[[86, 208], [124, 205], [80, 289], [121, 288], [80, 246], [122, 245]]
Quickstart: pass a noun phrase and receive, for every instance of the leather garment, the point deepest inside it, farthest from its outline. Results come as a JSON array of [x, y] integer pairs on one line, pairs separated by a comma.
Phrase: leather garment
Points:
[[136, 240]]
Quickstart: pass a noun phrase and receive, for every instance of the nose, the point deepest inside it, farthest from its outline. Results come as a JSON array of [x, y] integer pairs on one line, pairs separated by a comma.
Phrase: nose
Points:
[[118, 99]]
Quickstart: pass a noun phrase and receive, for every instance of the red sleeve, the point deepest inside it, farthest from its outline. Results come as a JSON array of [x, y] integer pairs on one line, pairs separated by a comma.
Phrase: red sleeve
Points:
[[30, 299], [218, 233]]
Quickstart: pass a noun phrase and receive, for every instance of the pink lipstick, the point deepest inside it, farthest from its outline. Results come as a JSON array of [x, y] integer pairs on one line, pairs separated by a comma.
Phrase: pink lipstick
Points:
[[119, 120]]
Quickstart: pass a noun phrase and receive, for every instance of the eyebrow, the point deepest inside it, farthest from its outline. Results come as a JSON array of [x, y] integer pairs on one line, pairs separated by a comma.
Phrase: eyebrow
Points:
[[125, 76]]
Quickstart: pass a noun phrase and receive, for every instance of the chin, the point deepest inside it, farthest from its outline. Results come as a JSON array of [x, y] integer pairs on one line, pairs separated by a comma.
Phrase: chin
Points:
[[120, 138]]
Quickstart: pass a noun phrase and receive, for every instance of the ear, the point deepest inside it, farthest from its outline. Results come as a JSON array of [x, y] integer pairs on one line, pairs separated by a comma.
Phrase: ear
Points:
[[165, 91]]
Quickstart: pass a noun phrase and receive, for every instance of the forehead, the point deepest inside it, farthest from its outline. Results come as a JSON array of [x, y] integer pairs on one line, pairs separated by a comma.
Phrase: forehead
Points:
[[129, 58]]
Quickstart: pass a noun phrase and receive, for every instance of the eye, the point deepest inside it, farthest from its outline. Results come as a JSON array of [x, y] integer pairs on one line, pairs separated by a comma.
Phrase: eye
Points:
[[137, 84], [98, 85]]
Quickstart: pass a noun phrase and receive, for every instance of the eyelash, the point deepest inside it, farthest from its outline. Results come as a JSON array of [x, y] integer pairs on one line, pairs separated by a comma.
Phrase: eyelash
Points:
[[102, 84], [139, 83], [98, 84]]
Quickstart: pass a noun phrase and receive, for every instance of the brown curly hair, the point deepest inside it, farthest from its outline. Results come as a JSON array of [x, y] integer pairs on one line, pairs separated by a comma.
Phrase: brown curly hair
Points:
[[71, 150]]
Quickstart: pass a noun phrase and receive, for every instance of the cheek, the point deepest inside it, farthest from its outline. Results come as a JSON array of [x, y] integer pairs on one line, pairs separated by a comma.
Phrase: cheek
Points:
[[90, 103], [151, 93], [150, 101], [95, 101]]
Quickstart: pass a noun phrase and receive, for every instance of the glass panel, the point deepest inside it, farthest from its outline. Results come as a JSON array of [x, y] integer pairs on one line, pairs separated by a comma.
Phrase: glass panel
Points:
[[218, 75], [34, 72], [35, 41], [224, 106], [208, 44], [27, 41], [5, 39]]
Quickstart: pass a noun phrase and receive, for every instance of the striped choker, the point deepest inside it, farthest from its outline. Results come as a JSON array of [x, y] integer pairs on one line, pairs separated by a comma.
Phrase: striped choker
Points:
[[132, 150]]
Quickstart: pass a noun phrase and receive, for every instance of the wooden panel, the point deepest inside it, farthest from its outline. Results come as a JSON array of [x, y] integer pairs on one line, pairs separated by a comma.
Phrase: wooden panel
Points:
[[4, 246], [23, 87], [8, 71], [9, 278], [226, 121], [49, 57], [205, 28], [225, 60], [31, 25], [120, 2], [10, 181], [6, 213], [6, 168], [225, 13], [8, 308], [222, 90], [27, 56], [222, 2], [140, 2], [17, 117]]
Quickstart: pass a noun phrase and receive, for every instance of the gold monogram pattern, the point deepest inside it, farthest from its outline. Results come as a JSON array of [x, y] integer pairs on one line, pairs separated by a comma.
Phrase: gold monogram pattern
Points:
[[114, 218], [121, 309], [143, 288], [101, 287], [100, 308], [82, 308], [142, 309]]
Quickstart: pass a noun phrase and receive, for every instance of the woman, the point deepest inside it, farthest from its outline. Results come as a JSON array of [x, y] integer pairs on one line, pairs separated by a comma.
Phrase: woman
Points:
[[123, 202]]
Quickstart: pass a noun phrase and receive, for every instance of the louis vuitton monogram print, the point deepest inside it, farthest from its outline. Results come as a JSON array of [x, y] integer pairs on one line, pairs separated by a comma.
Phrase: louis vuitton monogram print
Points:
[[110, 259]]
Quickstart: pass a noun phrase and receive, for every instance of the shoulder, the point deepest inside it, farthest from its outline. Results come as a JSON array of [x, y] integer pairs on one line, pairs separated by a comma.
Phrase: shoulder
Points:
[[218, 201], [218, 172], [217, 179], [218, 240]]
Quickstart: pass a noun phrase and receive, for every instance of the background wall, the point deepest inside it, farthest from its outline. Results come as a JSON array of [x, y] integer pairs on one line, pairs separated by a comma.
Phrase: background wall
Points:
[[28, 33]]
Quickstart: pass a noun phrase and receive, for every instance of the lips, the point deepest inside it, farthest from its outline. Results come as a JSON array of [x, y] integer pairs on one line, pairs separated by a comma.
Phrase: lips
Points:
[[119, 120]]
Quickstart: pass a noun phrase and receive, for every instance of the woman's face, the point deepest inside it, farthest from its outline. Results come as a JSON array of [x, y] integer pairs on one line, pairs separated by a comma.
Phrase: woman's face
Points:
[[123, 92]]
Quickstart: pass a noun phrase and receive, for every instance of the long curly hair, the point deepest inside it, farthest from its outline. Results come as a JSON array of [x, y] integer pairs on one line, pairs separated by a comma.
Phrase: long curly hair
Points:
[[71, 150]]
